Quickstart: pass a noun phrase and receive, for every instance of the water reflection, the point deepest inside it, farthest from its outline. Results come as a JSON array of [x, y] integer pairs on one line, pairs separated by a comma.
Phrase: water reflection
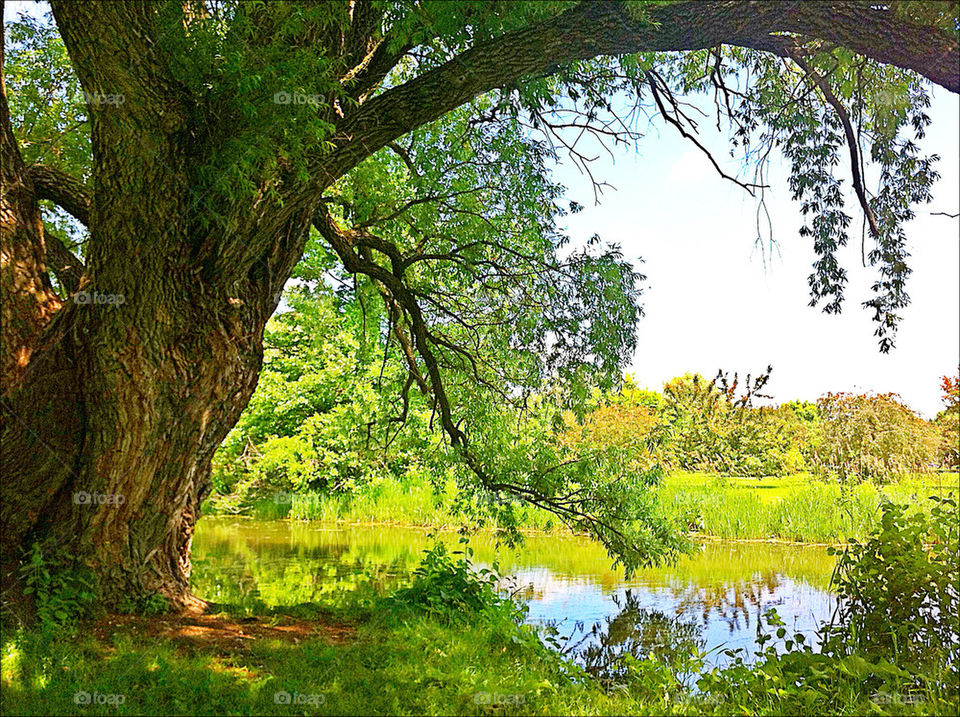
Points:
[[637, 633], [722, 590]]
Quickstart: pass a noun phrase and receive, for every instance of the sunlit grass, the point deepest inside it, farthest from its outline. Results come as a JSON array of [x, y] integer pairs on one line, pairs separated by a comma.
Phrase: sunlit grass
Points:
[[415, 666], [794, 508], [798, 508], [396, 664], [389, 500]]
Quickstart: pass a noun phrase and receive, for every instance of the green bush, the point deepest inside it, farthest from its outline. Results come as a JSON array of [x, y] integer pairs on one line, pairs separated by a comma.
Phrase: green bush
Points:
[[148, 605], [448, 585], [892, 646], [948, 422], [899, 591]]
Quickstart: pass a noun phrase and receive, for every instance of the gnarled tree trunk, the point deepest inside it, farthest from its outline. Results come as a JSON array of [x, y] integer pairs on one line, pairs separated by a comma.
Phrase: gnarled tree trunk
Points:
[[115, 398]]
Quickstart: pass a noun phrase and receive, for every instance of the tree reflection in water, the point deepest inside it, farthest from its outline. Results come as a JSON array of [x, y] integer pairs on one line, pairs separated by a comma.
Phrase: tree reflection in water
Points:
[[634, 633], [722, 588]]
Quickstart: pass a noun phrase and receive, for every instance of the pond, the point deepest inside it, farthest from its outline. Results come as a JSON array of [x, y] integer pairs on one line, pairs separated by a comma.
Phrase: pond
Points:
[[713, 598]]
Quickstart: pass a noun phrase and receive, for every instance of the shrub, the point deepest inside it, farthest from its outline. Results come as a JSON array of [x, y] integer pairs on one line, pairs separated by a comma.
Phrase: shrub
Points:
[[899, 591], [62, 589], [704, 427], [447, 584], [892, 646], [148, 605]]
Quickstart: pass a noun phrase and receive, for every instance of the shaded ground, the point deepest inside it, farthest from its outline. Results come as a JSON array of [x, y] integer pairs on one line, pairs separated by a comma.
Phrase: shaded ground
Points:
[[222, 633]]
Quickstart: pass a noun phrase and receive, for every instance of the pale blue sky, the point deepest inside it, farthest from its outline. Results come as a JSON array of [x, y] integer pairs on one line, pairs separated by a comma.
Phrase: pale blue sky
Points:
[[711, 302]]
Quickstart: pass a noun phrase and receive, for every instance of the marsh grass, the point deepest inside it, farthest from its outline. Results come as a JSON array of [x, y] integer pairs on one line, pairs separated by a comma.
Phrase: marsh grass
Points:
[[390, 501], [796, 508]]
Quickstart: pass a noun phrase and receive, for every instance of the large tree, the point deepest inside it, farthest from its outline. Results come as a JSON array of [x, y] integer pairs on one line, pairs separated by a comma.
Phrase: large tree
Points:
[[215, 136]]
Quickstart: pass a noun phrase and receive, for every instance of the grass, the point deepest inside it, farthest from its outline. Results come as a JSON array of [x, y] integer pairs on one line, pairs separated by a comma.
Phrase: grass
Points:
[[374, 663], [796, 508], [418, 665], [388, 501]]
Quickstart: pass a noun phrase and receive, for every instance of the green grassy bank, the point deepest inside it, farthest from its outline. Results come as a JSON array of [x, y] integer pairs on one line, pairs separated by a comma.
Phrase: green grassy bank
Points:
[[417, 665], [796, 508], [355, 655]]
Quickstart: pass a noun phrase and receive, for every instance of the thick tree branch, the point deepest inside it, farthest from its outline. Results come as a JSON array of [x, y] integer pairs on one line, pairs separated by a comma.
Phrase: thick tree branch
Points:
[[28, 300], [62, 262], [365, 19], [140, 152], [114, 49], [63, 190], [608, 28]]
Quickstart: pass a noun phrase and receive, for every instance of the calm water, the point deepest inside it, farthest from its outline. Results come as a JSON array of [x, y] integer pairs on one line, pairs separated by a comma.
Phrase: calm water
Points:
[[713, 598]]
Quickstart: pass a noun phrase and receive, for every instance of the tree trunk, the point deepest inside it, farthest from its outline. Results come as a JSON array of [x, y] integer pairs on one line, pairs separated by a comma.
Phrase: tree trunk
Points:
[[115, 399], [108, 436], [107, 440]]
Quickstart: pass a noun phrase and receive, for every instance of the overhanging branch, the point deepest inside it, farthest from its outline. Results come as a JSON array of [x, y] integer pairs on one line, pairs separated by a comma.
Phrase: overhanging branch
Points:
[[353, 249], [609, 28], [851, 137], [662, 97]]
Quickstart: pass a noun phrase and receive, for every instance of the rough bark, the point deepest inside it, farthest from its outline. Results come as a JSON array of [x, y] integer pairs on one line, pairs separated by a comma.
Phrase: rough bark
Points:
[[63, 263], [28, 297], [28, 300], [109, 430], [62, 189]]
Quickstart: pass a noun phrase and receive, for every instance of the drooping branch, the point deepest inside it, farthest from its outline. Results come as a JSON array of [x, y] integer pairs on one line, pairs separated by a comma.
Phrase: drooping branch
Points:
[[344, 244], [353, 249], [662, 97], [851, 137], [63, 190]]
